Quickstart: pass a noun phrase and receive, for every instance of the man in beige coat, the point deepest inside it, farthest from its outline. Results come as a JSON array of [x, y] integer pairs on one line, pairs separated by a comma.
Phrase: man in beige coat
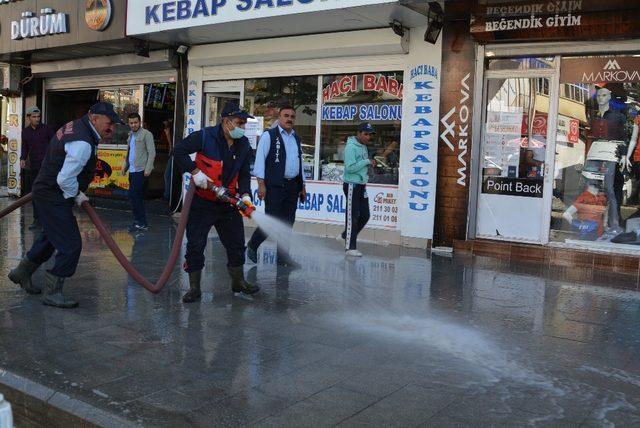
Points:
[[141, 153]]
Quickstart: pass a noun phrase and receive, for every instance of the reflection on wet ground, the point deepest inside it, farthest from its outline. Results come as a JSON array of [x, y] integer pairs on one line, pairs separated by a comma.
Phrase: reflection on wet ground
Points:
[[393, 338]]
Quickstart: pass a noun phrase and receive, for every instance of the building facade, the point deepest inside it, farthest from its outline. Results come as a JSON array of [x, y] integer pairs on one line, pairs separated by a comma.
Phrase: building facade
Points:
[[65, 55], [539, 132], [337, 63]]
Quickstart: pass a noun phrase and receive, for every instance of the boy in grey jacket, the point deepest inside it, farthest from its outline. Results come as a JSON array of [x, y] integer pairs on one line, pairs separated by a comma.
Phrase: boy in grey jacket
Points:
[[141, 153], [356, 177]]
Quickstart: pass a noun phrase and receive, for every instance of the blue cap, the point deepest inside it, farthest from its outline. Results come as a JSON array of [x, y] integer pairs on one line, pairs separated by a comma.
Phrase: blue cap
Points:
[[232, 109], [105, 109], [366, 127]]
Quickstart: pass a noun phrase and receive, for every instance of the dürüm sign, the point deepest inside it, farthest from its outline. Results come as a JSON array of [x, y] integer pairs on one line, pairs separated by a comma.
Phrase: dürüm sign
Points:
[[556, 20]]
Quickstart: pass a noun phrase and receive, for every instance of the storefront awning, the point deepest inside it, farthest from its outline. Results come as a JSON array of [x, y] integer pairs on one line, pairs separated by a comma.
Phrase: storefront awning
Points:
[[376, 14]]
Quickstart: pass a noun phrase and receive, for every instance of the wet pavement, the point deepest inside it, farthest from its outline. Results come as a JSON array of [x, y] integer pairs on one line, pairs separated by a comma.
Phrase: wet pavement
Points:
[[392, 339]]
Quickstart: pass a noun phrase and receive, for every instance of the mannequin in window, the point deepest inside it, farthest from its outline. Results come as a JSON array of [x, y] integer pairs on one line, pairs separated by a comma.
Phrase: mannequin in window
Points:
[[587, 212], [632, 160], [607, 123]]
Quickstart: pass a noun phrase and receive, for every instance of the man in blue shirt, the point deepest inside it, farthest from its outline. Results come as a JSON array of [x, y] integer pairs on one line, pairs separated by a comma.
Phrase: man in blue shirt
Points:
[[278, 168]]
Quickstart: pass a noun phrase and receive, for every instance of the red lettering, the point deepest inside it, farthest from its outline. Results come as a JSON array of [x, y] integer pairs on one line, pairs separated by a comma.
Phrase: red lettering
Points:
[[335, 90], [345, 82], [326, 94], [382, 85], [393, 86], [400, 91], [369, 82], [354, 83]]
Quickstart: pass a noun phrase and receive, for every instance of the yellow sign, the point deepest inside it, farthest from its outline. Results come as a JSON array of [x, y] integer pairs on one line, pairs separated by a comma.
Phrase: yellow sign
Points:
[[109, 180]]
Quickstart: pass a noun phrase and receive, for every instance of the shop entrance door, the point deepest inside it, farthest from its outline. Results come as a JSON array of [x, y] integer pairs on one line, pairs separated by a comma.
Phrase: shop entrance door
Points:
[[517, 152], [215, 103]]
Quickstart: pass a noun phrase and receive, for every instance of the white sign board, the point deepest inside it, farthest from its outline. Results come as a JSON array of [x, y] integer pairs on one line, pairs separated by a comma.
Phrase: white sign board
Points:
[[326, 203], [149, 16], [253, 130], [419, 146]]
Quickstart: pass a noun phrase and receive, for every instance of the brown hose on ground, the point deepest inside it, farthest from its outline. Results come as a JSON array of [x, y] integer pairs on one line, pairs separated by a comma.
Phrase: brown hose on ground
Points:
[[17, 204], [122, 259]]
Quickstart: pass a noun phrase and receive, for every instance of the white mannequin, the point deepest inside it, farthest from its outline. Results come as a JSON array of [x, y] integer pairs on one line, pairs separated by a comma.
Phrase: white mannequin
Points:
[[569, 214], [603, 96], [632, 146]]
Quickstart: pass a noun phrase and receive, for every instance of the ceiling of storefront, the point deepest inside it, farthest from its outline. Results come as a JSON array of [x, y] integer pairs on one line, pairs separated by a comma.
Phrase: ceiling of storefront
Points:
[[355, 18]]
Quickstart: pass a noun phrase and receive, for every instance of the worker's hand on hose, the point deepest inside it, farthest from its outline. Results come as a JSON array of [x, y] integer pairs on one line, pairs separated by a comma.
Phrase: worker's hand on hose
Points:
[[245, 205], [201, 180], [81, 198]]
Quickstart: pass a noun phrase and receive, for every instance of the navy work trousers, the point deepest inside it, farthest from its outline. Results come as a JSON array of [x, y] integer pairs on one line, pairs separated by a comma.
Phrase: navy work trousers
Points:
[[280, 202], [228, 223], [59, 234]]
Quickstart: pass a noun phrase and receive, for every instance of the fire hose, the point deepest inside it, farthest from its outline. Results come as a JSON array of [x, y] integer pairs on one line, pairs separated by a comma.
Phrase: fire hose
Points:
[[245, 208]]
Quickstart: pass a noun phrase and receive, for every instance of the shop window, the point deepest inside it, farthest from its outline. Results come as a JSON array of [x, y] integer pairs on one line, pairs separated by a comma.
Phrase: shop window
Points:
[[514, 147], [264, 96], [159, 100], [597, 165], [125, 101], [529, 63], [350, 99]]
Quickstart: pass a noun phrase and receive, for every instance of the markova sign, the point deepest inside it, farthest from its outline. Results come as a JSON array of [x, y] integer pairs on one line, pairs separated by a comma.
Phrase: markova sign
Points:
[[48, 23], [145, 16]]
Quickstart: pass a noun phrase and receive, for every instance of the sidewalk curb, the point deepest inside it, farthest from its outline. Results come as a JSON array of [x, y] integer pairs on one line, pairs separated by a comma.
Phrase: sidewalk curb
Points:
[[37, 405]]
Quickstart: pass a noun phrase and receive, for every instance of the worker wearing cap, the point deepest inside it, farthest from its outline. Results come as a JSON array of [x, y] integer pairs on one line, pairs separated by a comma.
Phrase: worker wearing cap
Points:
[[223, 158], [278, 168], [35, 140], [67, 169], [356, 177]]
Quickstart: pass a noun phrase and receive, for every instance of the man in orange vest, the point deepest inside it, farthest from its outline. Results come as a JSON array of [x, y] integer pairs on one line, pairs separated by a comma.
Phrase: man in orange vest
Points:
[[223, 157]]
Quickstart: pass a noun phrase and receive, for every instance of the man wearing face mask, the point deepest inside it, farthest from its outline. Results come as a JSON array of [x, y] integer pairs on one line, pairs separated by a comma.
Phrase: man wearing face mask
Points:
[[223, 158], [278, 168], [67, 170]]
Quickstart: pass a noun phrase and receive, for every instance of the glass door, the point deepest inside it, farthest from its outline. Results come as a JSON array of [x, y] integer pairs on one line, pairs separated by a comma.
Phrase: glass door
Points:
[[517, 150], [215, 102]]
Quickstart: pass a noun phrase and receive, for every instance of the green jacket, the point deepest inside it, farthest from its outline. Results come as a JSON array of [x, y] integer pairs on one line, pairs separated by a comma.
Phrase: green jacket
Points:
[[145, 151], [356, 162]]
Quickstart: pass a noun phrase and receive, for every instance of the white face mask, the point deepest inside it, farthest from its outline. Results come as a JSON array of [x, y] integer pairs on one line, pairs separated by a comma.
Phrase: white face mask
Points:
[[237, 133]]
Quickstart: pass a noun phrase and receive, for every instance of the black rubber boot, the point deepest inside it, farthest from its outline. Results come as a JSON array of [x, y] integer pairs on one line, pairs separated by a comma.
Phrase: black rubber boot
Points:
[[194, 294], [252, 254], [238, 284], [21, 275], [53, 295]]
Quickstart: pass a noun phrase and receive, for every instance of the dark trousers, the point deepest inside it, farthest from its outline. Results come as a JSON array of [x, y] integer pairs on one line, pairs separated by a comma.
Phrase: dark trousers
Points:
[[34, 175], [357, 214], [280, 202], [136, 196], [60, 233], [228, 223]]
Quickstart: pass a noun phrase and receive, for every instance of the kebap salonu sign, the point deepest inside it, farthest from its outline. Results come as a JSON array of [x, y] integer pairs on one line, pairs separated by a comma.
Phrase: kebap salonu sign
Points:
[[145, 16]]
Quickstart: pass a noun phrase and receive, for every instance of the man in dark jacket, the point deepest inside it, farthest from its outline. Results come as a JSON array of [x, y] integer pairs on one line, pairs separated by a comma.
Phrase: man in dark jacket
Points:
[[223, 158], [279, 171], [68, 168], [35, 140]]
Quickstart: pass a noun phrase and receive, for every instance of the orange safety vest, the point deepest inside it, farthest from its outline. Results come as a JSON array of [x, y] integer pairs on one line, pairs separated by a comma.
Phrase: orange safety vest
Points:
[[213, 170]]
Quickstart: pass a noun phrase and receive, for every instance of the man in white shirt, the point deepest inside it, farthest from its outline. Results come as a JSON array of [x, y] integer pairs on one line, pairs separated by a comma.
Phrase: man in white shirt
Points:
[[67, 170]]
